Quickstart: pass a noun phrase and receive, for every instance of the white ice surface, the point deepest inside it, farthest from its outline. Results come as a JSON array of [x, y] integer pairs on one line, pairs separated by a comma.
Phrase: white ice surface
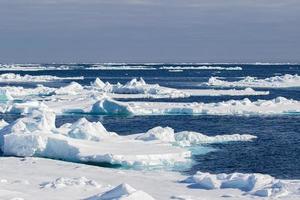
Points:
[[283, 81], [33, 178]]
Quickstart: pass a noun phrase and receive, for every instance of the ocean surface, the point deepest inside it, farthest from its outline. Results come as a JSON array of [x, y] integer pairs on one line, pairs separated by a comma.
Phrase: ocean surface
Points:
[[276, 151]]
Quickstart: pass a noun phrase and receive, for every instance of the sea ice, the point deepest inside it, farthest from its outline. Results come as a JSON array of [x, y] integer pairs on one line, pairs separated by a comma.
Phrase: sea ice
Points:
[[283, 81]]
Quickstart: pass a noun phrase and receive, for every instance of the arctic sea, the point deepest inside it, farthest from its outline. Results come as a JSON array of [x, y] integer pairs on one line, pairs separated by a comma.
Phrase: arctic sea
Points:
[[276, 151]]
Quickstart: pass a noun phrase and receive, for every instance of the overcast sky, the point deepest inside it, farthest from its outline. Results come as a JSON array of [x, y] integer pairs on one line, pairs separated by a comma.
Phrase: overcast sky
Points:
[[149, 31]]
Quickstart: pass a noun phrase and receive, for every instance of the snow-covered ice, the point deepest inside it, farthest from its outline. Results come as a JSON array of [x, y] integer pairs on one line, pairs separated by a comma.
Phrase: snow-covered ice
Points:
[[283, 81], [80, 181], [83, 141]]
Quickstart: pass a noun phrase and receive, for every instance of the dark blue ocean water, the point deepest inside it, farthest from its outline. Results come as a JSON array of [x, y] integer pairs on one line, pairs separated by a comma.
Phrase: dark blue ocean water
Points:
[[276, 151]]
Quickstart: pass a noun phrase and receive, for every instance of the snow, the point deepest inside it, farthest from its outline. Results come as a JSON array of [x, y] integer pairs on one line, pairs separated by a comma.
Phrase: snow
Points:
[[200, 68], [252, 184], [65, 180], [62, 182], [11, 77], [123, 192], [283, 81]]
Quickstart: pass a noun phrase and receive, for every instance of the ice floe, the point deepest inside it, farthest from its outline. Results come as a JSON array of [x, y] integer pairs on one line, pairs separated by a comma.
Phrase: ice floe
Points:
[[139, 86], [200, 68], [83, 141], [101, 104], [11, 77], [283, 81], [252, 184], [279, 105], [189, 138]]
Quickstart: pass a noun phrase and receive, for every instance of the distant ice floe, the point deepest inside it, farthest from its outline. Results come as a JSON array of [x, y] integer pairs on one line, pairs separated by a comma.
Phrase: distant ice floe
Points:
[[279, 105], [11, 77], [120, 67], [31, 67], [122, 192], [283, 81], [252, 184], [200, 68], [138, 86]]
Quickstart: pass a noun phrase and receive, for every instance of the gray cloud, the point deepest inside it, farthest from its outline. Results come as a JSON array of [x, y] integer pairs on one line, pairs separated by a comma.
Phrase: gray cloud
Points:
[[149, 30]]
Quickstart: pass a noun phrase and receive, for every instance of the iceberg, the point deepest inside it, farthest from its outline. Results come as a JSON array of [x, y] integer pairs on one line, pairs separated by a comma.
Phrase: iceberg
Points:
[[283, 81]]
